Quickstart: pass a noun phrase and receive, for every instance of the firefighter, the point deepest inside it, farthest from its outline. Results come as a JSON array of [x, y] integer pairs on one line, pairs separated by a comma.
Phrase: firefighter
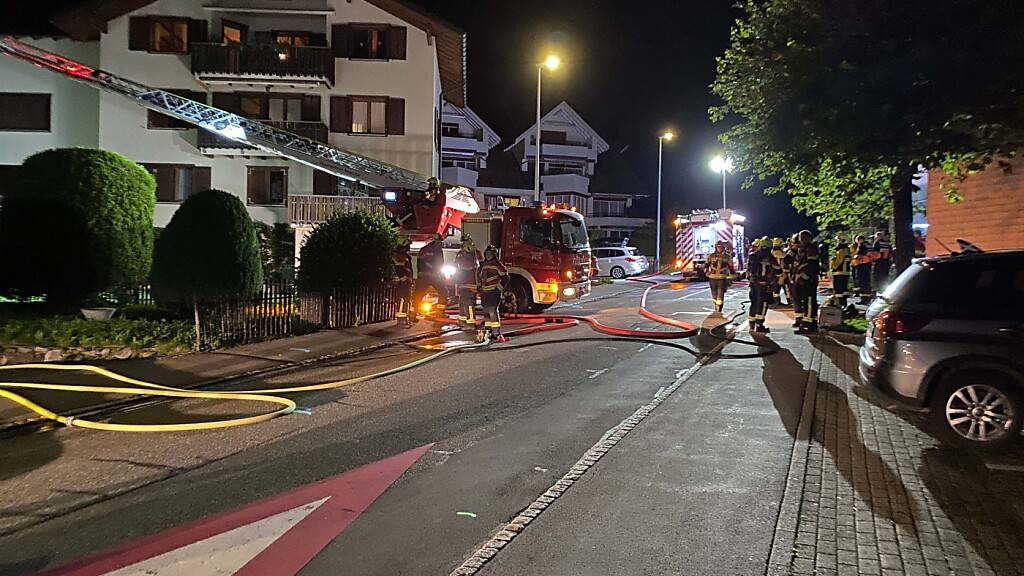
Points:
[[806, 284], [862, 267], [403, 282], [840, 267], [762, 278], [429, 262], [466, 263], [789, 265], [881, 254], [492, 277], [719, 272], [919, 245], [780, 272]]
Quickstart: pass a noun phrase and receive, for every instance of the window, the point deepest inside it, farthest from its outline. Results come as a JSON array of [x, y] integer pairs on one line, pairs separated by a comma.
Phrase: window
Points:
[[270, 106], [176, 182], [449, 129], [369, 116], [22, 112], [469, 164], [368, 41], [609, 208], [536, 232], [267, 185], [233, 32], [563, 168], [294, 38], [167, 34]]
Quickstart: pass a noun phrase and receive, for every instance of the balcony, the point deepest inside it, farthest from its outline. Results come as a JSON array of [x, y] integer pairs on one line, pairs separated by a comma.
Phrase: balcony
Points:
[[309, 209], [278, 64], [565, 183], [211, 143]]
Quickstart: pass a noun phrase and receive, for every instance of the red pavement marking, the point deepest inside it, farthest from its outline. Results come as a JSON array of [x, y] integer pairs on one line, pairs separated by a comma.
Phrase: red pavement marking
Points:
[[351, 493]]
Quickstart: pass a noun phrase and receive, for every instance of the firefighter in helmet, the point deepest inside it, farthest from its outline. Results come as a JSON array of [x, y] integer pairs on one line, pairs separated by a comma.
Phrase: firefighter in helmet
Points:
[[762, 278], [719, 271], [466, 263], [806, 284], [841, 269], [789, 264], [777, 255], [429, 262], [492, 277], [403, 281]]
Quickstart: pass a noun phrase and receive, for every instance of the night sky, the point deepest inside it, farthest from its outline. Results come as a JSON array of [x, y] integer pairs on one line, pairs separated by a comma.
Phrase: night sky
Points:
[[631, 69]]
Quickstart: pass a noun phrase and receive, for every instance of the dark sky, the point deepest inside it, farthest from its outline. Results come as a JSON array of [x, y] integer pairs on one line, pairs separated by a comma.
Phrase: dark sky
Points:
[[631, 69]]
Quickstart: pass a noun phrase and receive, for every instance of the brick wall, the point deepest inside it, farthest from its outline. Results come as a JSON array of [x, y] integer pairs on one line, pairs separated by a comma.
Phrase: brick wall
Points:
[[991, 214]]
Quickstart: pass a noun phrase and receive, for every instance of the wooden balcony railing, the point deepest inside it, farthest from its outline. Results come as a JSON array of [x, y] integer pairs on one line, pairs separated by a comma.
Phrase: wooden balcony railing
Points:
[[307, 209], [312, 130], [286, 62]]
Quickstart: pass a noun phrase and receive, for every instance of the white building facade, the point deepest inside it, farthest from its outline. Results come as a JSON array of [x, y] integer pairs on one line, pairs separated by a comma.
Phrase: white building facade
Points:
[[368, 76], [466, 141]]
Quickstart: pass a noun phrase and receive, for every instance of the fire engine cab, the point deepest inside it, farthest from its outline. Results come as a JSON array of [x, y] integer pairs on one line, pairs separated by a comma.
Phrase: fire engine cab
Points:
[[697, 233]]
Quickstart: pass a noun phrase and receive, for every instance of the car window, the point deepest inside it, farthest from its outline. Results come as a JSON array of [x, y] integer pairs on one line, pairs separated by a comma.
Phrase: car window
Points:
[[599, 253], [630, 251], [979, 288]]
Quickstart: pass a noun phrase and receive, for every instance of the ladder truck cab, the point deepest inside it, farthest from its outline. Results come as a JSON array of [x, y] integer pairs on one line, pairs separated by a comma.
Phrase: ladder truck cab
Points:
[[697, 233], [545, 248]]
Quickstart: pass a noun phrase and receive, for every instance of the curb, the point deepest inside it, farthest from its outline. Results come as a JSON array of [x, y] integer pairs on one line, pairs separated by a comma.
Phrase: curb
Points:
[[31, 424], [781, 554]]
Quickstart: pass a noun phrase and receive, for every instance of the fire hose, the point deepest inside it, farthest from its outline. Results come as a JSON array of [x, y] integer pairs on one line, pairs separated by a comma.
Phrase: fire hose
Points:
[[532, 323]]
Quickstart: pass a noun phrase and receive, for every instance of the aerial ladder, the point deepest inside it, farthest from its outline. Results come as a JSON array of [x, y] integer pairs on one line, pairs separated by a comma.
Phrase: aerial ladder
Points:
[[417, 217]]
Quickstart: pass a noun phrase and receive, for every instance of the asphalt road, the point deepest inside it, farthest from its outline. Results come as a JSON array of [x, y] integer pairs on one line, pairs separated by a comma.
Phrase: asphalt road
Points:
[[504, 426]]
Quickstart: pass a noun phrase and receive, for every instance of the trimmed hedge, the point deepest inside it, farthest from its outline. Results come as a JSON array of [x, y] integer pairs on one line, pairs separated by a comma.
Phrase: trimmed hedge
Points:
[[348, 250], [208, 251], [67, 332], [74, 222]]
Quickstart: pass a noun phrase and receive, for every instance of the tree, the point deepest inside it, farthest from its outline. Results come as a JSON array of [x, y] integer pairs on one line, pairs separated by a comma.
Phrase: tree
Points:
[[348, 250], [877, 88], [277, 250], [76, 221], [208, 251]]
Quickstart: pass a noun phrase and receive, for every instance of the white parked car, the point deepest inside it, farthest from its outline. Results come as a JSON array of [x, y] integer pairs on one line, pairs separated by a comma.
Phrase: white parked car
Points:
[[620, 261]]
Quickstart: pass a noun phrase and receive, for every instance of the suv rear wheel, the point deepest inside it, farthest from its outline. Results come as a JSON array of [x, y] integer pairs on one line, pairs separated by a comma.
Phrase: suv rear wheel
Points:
[[978, 408], [618, 272]]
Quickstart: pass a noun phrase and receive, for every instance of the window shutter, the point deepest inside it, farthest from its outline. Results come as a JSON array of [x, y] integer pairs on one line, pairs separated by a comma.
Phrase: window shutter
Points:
[[197, 31], [311, 108], [324, 184], [200, 179], [396, 116], [341, 40], [228, 101], [341, 114], [396, 42], [138, 33]]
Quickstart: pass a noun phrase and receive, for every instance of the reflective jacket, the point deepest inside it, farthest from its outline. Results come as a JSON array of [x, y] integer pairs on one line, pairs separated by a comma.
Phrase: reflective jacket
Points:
[[491, 275], [841, 261], [881, 250], [403, 266], [430, 259], [762, 268], [807, 265], [718, 266], [465, 268]]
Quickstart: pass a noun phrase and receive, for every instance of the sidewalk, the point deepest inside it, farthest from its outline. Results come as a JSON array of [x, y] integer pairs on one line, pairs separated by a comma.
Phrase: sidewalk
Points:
[[198, 368], [779, 466]]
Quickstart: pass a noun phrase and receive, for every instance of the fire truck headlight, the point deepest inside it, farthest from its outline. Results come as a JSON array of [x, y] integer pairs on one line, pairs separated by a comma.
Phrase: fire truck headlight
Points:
[[448, 271], [679, 263], [425, 307], [570, 291], [568, 274]]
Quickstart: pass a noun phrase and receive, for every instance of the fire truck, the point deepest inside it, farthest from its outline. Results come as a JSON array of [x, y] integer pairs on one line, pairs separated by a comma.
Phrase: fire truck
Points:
[[546, 248], [697, 233]]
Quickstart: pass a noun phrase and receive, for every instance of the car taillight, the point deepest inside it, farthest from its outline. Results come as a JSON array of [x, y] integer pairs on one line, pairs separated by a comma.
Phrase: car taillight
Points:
[[630, 259], [890, 323]]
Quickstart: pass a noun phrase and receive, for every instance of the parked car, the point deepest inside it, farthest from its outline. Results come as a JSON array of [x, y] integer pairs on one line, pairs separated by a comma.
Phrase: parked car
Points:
[[948, 335], [620, 261]]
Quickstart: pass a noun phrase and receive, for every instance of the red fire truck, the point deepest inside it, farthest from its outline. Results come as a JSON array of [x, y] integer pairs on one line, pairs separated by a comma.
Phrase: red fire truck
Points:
[[697, 233]]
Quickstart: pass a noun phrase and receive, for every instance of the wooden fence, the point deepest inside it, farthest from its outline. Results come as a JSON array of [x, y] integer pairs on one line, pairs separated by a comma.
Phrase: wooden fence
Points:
[[345, 308]]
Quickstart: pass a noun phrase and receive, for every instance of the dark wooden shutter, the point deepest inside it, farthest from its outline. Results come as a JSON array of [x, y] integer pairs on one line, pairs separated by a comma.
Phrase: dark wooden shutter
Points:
[[341, 40], [311, 108], [396, 116], [228, 101], [200, 179], [396, 42], [197, 31], [341, 114], [138, 33], [324, 184]]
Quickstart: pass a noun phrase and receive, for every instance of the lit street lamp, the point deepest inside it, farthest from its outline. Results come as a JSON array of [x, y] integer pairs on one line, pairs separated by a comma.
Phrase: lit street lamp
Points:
[[551, 63], [666, 137], [723, 165]]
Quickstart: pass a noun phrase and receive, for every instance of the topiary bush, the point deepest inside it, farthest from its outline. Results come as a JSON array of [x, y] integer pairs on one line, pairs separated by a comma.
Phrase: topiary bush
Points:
[[74, 222], [208, 251], [277, 249], [348, 250]]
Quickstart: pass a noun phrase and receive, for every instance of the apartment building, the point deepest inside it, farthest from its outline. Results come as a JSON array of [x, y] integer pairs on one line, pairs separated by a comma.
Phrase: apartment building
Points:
[[466, 140], [369, 76]]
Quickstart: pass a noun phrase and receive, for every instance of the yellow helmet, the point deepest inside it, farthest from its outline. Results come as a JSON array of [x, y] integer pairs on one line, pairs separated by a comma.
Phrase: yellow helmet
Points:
[[756, 242], [777, 243]]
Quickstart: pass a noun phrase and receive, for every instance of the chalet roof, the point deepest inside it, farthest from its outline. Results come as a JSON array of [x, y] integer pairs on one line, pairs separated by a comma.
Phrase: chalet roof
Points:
[[566, 112], [475, 121], [85, 20]]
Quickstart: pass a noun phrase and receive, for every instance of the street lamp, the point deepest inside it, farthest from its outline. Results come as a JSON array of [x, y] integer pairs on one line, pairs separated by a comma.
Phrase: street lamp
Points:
[[667, 136], [551, 63], [722, 164]]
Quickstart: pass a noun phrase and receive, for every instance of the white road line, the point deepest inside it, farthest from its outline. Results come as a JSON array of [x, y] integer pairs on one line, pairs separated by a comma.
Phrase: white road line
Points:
[[607, 348], [646, 346], [692, 294], [596, 373], [1004, 467]]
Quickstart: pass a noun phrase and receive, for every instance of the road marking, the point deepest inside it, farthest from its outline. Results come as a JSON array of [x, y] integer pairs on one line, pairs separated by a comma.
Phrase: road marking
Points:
[[514, 527], [692, 294], [607, 348], [275, 536], [645, 347], [596, 373], [1004, 467]]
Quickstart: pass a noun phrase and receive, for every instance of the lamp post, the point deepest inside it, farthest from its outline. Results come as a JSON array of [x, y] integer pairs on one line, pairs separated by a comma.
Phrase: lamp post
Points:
[[666, 137], [723, 165], [551, 63]]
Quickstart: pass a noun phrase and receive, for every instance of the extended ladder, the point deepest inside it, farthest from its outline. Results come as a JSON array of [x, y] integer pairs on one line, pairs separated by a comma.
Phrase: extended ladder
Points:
[[342, 163]]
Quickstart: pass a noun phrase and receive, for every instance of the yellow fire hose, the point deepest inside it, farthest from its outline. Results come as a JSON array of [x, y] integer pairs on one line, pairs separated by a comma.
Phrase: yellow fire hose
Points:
[[137, 387]]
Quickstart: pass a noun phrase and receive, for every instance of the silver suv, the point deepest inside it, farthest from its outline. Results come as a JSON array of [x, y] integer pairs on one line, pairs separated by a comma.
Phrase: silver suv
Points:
[[948, 335]]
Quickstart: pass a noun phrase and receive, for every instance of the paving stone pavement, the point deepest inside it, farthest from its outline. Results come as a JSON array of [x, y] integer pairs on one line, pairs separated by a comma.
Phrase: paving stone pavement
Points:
[[877, 495]]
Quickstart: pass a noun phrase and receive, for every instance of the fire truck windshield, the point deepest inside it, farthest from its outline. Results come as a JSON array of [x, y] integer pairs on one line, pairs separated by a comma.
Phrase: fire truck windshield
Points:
[[573, 233]]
